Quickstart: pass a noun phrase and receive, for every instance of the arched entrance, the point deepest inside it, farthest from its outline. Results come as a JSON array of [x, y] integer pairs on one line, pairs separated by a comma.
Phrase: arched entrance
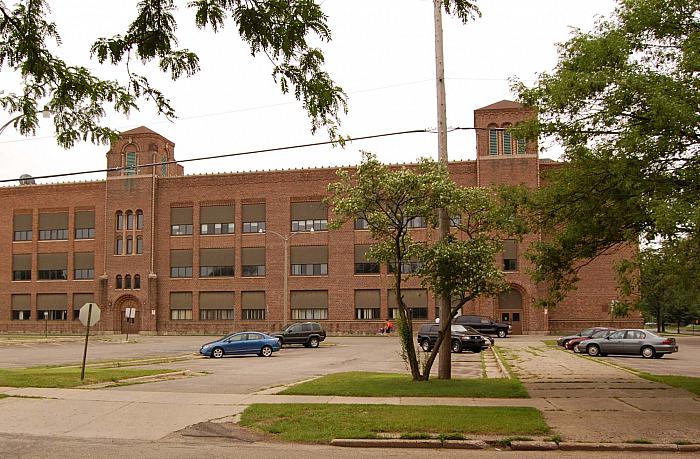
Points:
[[128, 324], [510, 309]]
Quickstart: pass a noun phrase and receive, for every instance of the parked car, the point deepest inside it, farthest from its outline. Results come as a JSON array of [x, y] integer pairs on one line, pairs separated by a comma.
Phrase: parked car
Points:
[[632, 342], [587, 333], [460, 340], [484, 325], [599, 333], [242, 343], [488, 340], [310, 334]]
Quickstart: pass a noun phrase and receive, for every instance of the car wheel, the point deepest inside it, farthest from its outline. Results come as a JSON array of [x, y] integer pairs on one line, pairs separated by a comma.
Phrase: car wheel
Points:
[[593, 350], [425, 345], [658, 356], [575, 349], [502, 333], [456, 346], [266, 351], [648, 352], [565, 344], [313, 342], [217, 353]]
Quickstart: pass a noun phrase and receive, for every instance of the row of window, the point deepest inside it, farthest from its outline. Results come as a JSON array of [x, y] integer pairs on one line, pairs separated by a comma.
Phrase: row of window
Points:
[[133, 220], [53, 226], [124, 282], [128, 249], [501, 141]]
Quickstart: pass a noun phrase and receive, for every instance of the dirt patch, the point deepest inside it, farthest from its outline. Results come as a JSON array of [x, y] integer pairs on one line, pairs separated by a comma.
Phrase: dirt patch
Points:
[[227, 430]]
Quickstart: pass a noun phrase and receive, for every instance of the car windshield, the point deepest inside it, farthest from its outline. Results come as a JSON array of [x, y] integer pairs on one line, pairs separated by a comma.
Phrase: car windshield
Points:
[[651, 334], [601, 333], [586, 332], [463, 329]]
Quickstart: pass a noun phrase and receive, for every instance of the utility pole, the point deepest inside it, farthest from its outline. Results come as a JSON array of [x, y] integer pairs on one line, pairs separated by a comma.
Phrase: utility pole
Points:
[[445, 361]]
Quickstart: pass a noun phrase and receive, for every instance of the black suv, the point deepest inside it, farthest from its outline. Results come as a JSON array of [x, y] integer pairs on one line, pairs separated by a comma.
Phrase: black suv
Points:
[[484, 325], [428, 333], [310, 334]]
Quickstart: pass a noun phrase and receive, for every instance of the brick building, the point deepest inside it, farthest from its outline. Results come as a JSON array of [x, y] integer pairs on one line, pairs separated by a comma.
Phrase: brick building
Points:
[[206, 253]]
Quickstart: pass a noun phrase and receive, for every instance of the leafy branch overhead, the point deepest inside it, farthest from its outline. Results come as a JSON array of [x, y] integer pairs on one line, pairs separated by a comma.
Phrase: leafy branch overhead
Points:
[[279, 29]]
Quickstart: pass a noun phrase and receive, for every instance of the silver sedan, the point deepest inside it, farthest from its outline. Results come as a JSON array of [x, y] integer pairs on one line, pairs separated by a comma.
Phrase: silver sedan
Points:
[[631, 341]]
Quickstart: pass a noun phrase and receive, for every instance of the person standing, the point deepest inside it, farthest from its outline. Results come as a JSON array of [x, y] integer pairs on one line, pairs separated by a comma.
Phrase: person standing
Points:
[[388, 327]]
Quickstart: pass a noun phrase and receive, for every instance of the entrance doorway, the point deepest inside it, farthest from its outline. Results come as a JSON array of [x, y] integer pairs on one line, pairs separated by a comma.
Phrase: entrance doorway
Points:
[[514, 318], [132, 324], [510, 310]]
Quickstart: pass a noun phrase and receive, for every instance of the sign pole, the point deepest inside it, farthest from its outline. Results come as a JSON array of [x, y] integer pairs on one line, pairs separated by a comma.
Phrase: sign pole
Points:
[[126, 313], [87, 334]]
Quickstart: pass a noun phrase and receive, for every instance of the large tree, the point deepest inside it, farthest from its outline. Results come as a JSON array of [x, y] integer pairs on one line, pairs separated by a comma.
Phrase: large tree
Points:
[[461, 266], [281, 30], [624, 101]]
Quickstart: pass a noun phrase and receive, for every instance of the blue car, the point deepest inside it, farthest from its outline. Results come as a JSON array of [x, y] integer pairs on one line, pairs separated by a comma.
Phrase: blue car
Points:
[[242, 343]]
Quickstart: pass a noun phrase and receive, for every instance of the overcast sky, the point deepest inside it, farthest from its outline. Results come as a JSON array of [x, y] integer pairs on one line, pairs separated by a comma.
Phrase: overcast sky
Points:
[[382, 54]]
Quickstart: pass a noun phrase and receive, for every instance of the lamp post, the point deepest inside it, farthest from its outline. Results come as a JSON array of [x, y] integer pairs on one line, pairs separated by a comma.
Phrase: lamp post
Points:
[[45, 113], [285, 239]]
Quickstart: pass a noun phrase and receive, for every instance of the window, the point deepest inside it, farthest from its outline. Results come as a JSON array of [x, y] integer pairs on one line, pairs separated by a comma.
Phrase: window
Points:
[[130, 163], [361, 224], [493, 140], [415, 299], [120, 220], [181, 221], [118, 246], [21, 315], [507, 142], [362, 264], [79, 300], [510, 255], [85, 225], [310, 314], [416, 222], [137, 281], [129, 245], [129, 220], [367, 304], [216, 262], [511, 299], [139, 219], [309, 304], [181, 263], [127, 281], [139, 245], [53, 226], [618, 335], [164, 170], [407, 267], [22, 267], [455, 221], [309, 260], [309, 216], [21, 307], [22, 226], [253, 305], [521, 146], [82, 274], [253, 216], [216, 306], [253, 227], [53, 266], [181, 305], [253, 261], [119, 285], [216, 220], [52, 306]]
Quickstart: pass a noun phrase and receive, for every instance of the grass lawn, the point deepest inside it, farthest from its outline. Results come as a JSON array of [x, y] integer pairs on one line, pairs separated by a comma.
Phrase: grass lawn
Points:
[[689, 383], [551, 342], [367, 384], [3, 396], [320, 423], [67, 376]]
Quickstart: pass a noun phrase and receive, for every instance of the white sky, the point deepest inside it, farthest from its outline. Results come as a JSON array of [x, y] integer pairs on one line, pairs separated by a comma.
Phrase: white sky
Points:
[[382, 54]]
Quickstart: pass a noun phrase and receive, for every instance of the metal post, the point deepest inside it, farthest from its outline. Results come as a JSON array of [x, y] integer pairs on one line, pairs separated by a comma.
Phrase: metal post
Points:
[[46, 324], [87, 334]]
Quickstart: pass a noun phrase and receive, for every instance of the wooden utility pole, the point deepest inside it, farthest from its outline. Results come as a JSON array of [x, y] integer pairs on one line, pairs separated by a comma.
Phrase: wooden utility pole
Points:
[[445, 362]]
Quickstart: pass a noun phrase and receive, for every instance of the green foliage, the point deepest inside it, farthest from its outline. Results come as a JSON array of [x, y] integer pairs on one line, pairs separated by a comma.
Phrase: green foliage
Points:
[[323, 422], [279, 29], [623, 100]]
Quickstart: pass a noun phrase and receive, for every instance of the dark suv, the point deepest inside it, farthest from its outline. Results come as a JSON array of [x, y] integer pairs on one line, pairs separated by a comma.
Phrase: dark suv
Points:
[[428, 333], [484, 325], [310, 334]]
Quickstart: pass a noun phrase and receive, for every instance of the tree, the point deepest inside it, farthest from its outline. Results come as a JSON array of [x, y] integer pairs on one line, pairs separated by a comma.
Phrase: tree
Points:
[[461, 266], [278, 29], [623, 101]]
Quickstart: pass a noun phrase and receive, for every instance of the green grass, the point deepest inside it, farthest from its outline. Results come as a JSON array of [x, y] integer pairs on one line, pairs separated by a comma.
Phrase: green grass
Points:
[[551, 342], [689, 383], [320, 423], [67, 376], [3, 396], [367, 384]]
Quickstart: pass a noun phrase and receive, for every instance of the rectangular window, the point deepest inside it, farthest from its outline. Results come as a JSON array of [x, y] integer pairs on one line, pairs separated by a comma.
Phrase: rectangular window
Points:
[[361, 224], [407, 267], [253, 305], [309, 304], [21, 307], [181, 305], [521, 146], [309, 260], [253, 261], [415, 313], [216, 220], [253, 271], [367, 304], [52, 266], [22, 226], [416, 222], [216, 306], [79, 300], [52, 306], [455, 221], [22, 267], [362, 264], [21, 315], [310, 314], [130, 163], [493, 142], [216, 314], [181, 263], [80, 274], [216, 262], [510, 255], [416, 299], [367, 313], [83, 265], [309, 216], [85, 224], [180, 221], [53, 226], [181, 314], [253, 216], [507, 143]]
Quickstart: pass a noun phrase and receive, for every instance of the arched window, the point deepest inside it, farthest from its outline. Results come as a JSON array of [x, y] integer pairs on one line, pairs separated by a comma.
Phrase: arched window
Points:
[[512, 299], [127, 281], [139, 245], [129, 245], [119, 282], [120, 220], [139, 219], [129, 220], [137, 281], [507, 140], [118, 249], [493, 140], [130, 162]]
